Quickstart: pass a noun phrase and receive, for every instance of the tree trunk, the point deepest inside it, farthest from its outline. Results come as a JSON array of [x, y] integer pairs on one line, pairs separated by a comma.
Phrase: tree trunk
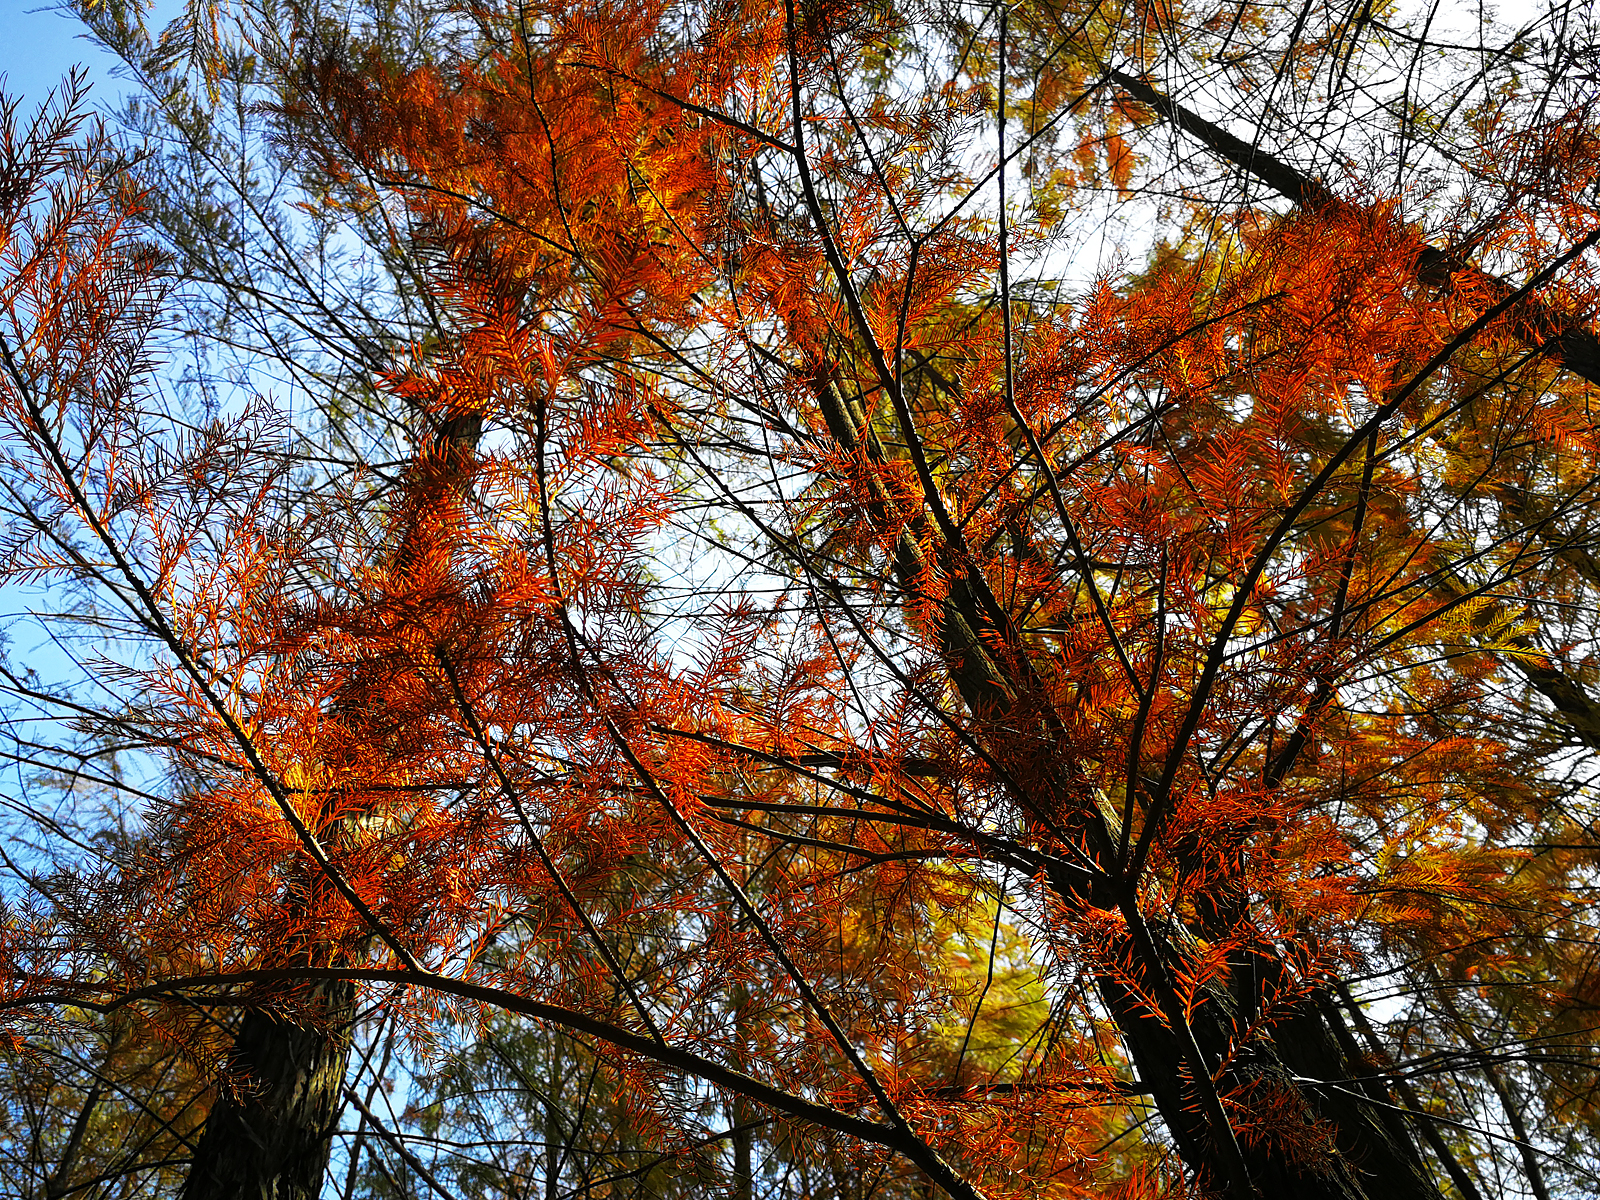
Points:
[[1337, 1138], [59, 1181], [270, 1140], [743, 1112], [1322, 1137]]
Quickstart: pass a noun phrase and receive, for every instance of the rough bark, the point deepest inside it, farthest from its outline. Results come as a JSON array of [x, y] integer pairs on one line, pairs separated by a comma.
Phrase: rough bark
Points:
[[269, 1139], [1338, 1142]]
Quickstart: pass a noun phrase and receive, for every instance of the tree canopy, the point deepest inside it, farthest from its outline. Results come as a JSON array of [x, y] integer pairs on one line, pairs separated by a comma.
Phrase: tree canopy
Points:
[[814, 600]]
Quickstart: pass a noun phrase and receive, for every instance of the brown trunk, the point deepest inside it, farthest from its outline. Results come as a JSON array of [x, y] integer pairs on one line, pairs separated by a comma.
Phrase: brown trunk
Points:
[[554, 1143], [1330, 1139], [58, 1184], [744, 1113], [1337, 1137], [270, 1139], [743, 1147]]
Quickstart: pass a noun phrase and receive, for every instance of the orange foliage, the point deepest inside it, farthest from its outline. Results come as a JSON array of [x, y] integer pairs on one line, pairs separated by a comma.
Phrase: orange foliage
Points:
[[754, 597]]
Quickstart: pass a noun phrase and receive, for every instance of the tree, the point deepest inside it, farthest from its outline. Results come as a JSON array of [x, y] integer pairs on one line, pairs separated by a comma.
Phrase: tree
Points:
[[789, 578]]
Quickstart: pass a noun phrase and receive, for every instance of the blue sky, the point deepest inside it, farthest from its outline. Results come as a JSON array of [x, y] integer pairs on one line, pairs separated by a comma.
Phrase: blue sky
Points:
[[39, 45]]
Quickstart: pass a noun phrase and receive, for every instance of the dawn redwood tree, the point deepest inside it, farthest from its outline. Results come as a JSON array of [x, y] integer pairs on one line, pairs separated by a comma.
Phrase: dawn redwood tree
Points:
[[803, 556]]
